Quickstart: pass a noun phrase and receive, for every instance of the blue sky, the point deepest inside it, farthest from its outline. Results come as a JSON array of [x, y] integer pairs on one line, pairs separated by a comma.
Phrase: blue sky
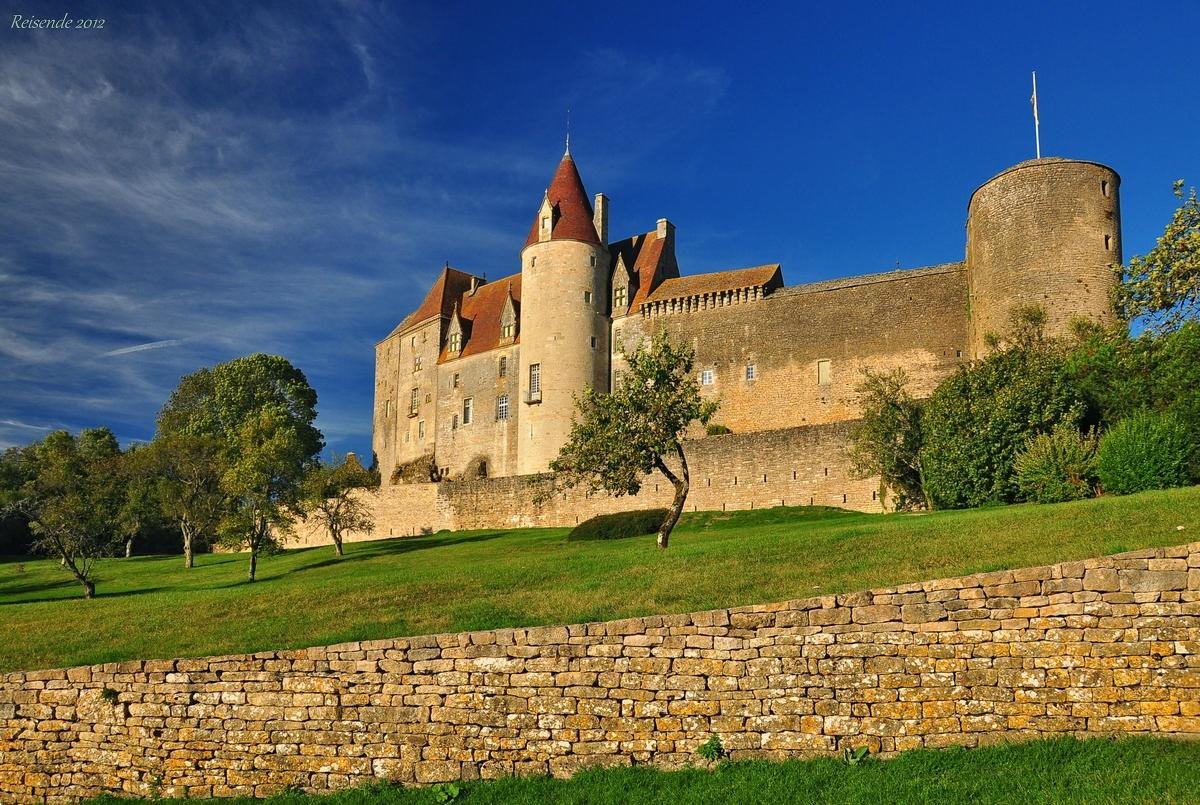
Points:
[[198, 181]]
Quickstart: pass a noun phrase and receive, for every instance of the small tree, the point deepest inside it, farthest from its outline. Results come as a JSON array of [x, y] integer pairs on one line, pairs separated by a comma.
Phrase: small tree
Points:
[[332, 496], [140, 509], [262, 485], [189, 471], [617, 439], [886, 442], [72, 500], [1164, 285]]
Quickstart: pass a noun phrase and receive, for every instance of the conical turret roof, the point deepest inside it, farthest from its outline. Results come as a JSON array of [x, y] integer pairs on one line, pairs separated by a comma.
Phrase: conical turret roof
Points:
[[573, 216]]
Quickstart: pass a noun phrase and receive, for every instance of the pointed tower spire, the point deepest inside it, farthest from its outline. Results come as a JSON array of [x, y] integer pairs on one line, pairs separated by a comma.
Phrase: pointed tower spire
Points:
[[565, 213], [567, 153]]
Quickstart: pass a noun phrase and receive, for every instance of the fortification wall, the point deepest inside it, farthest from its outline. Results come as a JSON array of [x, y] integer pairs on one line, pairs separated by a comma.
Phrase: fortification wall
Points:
[[1096, 647], [913, 320], [791, 466]]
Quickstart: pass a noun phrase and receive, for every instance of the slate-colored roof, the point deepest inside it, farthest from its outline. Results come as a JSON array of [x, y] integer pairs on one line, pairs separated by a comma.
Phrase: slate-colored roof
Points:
[[481, 312], [449, 286], [647, 261], [573, 210], [766, 276]]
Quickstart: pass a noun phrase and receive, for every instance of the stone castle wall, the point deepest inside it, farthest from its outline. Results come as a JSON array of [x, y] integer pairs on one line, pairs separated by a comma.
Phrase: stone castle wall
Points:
[[1095, 647], [791, 466], [914, 320]]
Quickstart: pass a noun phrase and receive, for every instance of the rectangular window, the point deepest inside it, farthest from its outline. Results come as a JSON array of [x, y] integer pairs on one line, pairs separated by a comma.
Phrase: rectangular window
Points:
[[535, 382], [416, 363], [414, 402], [592, 260], [454, 422], [706, 377], [593, 342], [617, 379], [620, 295], [421, 430], [455, 342], [503, 367], [587, 297], [507, 330], [468, 408], [387, 408], [751, 371], [454, 382], [824, 373], [502, 407]]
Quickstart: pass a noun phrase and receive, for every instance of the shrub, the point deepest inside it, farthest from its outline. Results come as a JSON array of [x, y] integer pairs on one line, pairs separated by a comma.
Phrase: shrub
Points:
[[1057, 466], [981, 417], [717, 430], [1146, 451], [619, 525]]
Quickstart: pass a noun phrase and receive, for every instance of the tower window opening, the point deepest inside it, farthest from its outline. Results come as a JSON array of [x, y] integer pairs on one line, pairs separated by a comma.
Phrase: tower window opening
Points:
[[1104, 188], [503, 366], [468, 409], [533, 261], [824, 372], [587, 297], [1108, 243], [535, 382], [593, 342], [592, 261]]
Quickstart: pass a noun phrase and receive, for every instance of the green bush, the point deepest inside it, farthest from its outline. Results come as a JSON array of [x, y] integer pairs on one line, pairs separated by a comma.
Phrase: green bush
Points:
[[717, 430], [1057, 466], [981, 417], [619, 525], [1146, 451]]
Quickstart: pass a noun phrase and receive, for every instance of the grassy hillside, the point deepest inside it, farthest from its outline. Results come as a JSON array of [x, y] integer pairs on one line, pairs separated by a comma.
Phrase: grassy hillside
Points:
[[153, 607]]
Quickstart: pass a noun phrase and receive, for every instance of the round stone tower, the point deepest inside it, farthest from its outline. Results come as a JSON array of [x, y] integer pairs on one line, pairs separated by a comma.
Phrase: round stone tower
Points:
[[564, 317], [1045, 232]]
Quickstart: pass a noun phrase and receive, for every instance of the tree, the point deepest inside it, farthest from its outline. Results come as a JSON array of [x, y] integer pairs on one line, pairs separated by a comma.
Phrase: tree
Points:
[[332, 496], [140, 509], [72, 499], [887, 441], [260, 411], [1164, 285], [262, 483], [189, 473], [617, 439]]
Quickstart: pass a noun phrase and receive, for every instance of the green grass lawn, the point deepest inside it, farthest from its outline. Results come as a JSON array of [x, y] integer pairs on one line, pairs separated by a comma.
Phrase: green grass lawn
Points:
[[153, 607], [1061, 770]]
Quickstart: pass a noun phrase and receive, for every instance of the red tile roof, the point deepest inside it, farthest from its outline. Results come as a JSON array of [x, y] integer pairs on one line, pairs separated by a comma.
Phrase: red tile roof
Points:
[[768, 276], [573, 210], [450, 285], [480, 313], [647, 261]]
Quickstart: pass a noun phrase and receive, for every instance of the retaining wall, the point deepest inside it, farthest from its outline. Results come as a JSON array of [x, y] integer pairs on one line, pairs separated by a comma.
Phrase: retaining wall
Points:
[[1102, 646]]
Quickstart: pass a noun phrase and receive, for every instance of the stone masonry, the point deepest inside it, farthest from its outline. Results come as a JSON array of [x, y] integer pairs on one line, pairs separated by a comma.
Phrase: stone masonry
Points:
[[1096, 647]]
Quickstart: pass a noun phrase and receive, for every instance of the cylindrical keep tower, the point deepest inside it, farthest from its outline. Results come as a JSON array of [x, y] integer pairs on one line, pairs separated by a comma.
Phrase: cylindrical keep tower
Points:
[[564, 321], [1045, 232]]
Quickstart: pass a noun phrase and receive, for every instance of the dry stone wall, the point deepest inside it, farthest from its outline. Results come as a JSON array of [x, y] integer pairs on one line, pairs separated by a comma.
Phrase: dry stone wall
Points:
[[1095, 647]]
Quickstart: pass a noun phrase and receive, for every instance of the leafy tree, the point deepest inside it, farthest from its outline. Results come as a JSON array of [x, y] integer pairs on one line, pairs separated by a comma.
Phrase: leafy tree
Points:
[[1164, 285], [140, 509], [1057, 466], [262, 482], [260, 411], [72, 499], [332, 496], [981, 417], [189, 470], [886, 442], [617, 439], [16, 464]]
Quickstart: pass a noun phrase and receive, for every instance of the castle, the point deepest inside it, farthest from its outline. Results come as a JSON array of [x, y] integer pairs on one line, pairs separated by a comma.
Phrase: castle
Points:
[[479, 380]]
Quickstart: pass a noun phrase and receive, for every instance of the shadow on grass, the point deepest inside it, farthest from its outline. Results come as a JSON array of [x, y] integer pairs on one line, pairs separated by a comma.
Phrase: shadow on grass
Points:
[[59, 585], [397, 547]]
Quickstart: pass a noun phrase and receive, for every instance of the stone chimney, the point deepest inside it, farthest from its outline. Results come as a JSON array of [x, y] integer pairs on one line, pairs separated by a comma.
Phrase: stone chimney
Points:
[[601, 218], [475, 283], [666, 230]]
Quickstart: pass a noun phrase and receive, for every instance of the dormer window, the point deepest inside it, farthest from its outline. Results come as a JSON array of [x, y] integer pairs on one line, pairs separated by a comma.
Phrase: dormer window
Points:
[[506, 330], [620, 297], [545, 223], [456, 342]]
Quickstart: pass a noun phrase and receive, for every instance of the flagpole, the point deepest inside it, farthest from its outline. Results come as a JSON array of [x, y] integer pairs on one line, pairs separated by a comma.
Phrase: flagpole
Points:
[[1037, 134]]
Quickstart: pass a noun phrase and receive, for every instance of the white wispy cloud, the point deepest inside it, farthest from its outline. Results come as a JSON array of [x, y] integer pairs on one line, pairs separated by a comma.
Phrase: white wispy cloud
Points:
[[170, 342]]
